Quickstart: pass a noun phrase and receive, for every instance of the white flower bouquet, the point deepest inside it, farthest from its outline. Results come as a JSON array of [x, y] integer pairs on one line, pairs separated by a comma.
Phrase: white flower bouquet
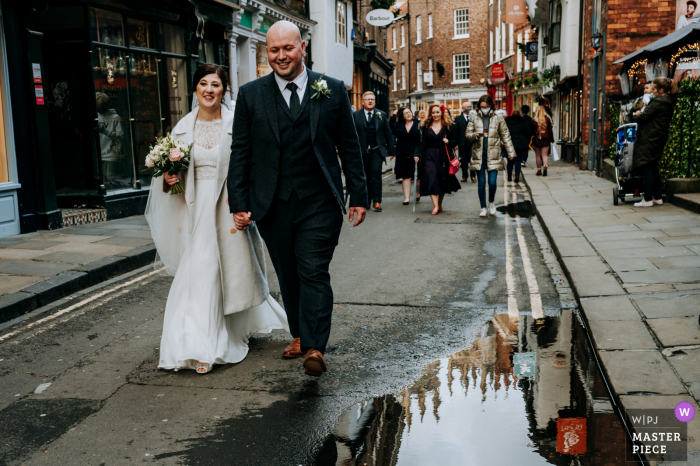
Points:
[[171, 156]]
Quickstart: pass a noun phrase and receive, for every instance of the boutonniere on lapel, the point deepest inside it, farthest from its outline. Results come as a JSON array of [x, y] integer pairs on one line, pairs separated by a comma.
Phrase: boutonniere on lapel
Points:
[[321, 88], [379, 115]]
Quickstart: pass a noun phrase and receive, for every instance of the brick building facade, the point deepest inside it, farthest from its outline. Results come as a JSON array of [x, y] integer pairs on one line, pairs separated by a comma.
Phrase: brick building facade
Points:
[[621, 30], [440, 54]]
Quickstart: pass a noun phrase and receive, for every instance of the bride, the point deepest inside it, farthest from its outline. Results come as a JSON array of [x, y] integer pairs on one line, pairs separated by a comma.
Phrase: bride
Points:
[[219, 295]]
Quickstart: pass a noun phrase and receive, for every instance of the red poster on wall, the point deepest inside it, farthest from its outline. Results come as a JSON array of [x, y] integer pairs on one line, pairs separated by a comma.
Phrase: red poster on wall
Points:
[[39, 91], [571, 436], [516, 12], [498, 71]]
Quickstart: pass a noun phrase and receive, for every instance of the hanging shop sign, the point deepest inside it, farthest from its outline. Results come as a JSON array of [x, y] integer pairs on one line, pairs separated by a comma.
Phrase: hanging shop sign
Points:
[[524, 364], [516, 12], [498, 71], [531, 48], [380, 17], [571, 436]]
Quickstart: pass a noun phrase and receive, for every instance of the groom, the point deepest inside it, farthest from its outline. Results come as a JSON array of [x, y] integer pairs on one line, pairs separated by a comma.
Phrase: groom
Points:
[[290, 128]]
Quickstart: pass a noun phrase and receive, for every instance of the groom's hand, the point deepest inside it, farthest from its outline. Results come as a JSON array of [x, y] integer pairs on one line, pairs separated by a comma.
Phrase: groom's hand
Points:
[[242, 220], [361, 212]]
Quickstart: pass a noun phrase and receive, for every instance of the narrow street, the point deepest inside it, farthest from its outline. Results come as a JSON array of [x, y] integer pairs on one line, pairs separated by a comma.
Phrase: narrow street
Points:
[[449, 332]]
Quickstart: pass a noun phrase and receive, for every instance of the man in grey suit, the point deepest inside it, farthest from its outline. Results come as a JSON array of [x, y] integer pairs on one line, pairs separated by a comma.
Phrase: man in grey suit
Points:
[[376, 141], [289, 130], [465, 147]]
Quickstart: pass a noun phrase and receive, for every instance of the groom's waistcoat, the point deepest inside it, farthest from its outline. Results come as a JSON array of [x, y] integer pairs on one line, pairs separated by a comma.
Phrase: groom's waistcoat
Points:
[[299, 167]]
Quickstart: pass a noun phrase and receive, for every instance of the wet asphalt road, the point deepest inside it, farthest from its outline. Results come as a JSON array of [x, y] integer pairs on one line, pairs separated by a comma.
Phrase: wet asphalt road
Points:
[[410, 289]]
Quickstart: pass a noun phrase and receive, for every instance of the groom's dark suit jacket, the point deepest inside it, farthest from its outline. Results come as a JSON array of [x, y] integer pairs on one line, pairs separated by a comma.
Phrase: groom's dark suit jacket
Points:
[[257, 147]]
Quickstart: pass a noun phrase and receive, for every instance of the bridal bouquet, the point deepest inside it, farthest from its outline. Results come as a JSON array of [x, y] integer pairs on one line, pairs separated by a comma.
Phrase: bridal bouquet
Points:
[[171, 156]]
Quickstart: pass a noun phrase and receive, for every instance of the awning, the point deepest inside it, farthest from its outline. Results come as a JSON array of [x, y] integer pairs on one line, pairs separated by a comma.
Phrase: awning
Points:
[[664, 42]]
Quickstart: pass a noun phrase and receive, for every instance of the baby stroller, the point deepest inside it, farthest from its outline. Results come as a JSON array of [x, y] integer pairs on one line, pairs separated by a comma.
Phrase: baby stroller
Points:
[[629, 183]]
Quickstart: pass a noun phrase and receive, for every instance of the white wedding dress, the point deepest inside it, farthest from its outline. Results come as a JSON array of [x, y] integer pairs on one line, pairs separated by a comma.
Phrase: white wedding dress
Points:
[[195, 327]]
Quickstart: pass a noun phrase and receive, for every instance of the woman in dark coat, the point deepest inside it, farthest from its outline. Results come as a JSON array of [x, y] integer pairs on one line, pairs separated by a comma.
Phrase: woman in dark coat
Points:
[[652, 134], [520, 133], [407, 138], [438, 135]]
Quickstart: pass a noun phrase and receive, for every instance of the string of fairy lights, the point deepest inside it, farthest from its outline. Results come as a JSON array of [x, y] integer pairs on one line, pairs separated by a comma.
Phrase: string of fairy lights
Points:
[[637, 68], [682, 50]]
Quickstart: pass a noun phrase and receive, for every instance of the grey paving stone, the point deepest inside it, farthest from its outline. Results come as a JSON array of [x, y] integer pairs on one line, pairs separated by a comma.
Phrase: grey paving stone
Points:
[[687, 275], [679, 240], [627, 235], [565, 232], [687, 363], [12, 253], [129, 242], [142, 234], [621, 335], [105, 268], [626, 243], [608, 229], [683, 262], [669, 225], [609, 309], [641, 371], [627, 265], [30, 267], [87, 231], [658, 251], [574, 247], [672, 218], [676, 331], [591, 277], [69, 238], [92, 248], [70, 257], [13, 283], [12, 241], [38, 244]]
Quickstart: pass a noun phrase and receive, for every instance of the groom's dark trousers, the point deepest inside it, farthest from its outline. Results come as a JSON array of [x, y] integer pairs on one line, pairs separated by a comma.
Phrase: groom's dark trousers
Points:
[[284, 170]]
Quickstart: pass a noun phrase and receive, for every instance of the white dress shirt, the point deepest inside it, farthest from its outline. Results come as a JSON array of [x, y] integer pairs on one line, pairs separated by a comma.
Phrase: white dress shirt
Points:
[[300, 81]]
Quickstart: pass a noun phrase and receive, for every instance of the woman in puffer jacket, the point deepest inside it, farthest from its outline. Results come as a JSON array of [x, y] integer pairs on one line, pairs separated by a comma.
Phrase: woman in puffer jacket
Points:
[[488, 131]]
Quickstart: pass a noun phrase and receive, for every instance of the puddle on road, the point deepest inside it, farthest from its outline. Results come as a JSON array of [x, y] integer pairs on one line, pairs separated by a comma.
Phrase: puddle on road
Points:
[[527, 392]]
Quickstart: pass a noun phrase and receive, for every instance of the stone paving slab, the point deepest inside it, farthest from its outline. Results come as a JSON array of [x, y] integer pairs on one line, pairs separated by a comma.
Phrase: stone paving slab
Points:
[[610, 309], [628, 235], [673, 306], [641, 372], [621, 335], [676, 262], [657, 251], [628, 265], [591, 277], [29, 267], [574, 247], [676, 331], [661, 276]]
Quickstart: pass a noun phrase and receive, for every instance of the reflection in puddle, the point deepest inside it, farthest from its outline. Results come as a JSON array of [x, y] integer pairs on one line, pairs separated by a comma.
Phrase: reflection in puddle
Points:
[[526, 392]]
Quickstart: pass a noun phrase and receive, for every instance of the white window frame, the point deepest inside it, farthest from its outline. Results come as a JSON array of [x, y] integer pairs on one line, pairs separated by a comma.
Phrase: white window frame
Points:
[[510, 39], [464, 35], [403, 76], [497, 44], [430, 70], [341, 24], [492, 55], [430, 26], [393, 36], [394, 75], [419, 75], [503, 40], [519, 57], [419, 30], [466, 80], [403, 36]]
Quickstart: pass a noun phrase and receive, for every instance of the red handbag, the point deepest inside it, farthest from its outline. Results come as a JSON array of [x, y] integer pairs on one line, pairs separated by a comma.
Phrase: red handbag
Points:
[[454, 163]]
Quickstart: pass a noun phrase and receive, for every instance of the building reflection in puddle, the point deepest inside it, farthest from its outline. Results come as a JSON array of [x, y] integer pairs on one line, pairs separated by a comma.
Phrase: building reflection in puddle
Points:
[[478, 407]]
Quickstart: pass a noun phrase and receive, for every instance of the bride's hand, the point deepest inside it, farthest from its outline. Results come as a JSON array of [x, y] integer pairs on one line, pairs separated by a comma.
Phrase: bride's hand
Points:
[[171, 179]]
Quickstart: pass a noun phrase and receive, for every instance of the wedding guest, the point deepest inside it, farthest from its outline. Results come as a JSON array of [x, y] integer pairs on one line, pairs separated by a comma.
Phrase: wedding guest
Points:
[[488, 132], [520, 133], [652, 135], [525, 110], [543, 138], [422, 115], [407, 139], [465, 147], [437, 139], [376, 140]]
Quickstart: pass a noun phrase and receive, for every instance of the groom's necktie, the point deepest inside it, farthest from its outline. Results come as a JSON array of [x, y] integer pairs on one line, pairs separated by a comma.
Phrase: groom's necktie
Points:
[[294, 104]]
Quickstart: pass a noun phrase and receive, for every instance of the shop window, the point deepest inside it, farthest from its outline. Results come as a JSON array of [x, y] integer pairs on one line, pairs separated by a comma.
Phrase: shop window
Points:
[[358, 86], [112, 103], [141, 34], [461, 67], [206, 52], [106, 27], [145, 108], [174, 80], [462, 22], [340, 23], [172, 38]]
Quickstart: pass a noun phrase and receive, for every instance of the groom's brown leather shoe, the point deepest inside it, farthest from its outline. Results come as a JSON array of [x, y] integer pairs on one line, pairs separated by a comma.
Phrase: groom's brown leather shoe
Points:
[[293, 350], [314, 363]]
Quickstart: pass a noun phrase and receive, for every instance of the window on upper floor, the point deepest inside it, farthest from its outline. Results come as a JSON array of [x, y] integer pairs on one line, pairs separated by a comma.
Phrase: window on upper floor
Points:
[[340, 23], [393, 37], [403, 76], [555, 25], [430, 26], [511, 45], [519, 56], [461, 23], [419, 74], [460, 65], [419, 30], [403, 36]]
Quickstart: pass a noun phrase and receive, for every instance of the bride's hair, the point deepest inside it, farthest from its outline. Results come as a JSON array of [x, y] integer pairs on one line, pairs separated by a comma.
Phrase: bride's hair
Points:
[[207, 69]]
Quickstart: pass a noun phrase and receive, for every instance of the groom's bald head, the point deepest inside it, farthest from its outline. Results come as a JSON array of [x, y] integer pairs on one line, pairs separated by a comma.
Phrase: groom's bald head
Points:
[[285, 49]]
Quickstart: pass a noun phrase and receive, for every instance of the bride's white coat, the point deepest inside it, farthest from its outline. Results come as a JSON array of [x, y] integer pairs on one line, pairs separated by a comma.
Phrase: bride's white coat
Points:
[[241, 254]]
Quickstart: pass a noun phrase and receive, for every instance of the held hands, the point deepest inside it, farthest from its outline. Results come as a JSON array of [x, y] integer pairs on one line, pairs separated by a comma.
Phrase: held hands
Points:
[[241, 220], [361, 212], [171, 179]]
